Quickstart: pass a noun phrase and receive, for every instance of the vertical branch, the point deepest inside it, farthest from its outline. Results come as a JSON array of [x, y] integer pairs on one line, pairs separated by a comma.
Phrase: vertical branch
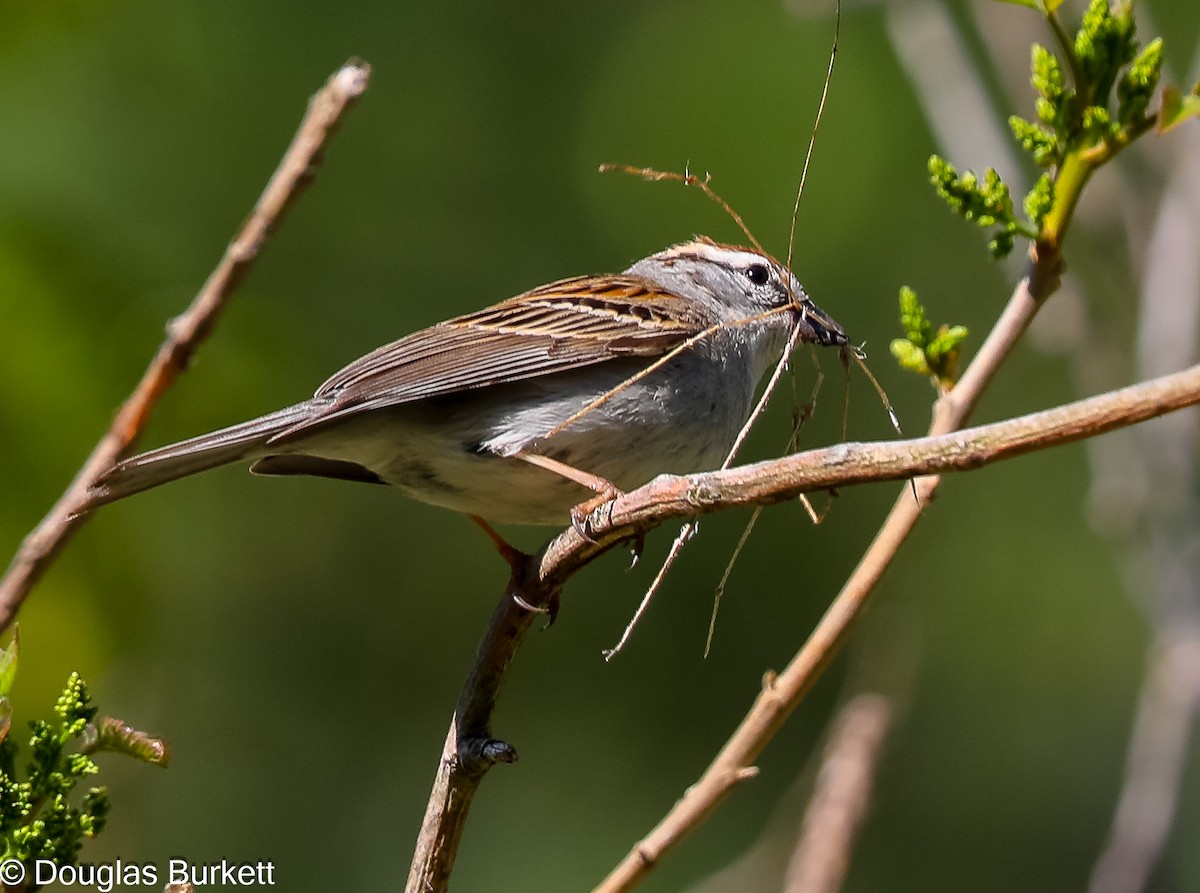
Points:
[[186, 332], [470, 750], [839, 802], [1158, 749], [1161, 574]]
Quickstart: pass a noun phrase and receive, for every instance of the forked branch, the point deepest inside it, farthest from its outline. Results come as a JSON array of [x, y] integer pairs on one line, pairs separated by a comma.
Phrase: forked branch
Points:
[[671, 497], [941, 452]]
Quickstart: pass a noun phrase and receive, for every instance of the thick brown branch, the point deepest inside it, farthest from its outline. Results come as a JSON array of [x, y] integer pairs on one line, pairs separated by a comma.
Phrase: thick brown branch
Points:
[[186, 332], [844, 464]]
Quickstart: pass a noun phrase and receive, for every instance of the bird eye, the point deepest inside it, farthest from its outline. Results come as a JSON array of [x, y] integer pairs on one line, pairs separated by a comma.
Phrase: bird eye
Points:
[[758, 274]]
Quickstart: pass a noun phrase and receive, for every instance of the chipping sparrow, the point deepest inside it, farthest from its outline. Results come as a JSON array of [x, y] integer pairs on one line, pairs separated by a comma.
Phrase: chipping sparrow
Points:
[[501, 414]]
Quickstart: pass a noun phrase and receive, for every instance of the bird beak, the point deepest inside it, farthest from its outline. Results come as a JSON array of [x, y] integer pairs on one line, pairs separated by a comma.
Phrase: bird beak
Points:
[[817, 326]]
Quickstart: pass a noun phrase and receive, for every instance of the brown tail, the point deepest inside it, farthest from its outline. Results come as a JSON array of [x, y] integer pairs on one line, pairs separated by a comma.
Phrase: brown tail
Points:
[[169, 463]]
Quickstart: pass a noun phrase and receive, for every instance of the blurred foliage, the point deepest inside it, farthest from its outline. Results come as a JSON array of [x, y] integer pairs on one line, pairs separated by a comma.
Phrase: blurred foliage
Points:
[[9, 658], [256, 621]]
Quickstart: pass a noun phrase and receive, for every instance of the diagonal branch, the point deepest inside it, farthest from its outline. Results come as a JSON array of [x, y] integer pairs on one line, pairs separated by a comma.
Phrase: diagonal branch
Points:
[[186, 332], [783, 694]]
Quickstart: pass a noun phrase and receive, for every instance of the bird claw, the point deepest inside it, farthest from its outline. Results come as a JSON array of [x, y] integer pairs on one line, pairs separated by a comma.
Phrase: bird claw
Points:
[[636, 546], [581, 515], [550, 609]]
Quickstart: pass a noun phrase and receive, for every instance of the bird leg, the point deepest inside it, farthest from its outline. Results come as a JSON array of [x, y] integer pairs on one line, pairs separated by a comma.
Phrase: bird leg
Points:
[[520, 563], [605, 490], [507, 550]]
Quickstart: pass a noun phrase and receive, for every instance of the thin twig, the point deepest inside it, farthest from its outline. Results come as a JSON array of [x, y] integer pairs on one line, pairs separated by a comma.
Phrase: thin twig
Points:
[[686, 532], [724, 581], [687, 178], [812, 139], [185, 333]]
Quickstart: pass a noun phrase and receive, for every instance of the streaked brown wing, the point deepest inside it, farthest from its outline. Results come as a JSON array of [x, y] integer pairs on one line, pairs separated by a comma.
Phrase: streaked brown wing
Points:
[[564, 325]]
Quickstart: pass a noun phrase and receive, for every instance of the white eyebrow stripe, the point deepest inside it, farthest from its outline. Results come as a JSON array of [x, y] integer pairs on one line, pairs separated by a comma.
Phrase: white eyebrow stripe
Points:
[[717, 254]]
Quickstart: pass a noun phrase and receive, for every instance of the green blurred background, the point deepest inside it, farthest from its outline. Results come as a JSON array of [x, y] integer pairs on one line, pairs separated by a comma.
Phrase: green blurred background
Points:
[[301, 642]]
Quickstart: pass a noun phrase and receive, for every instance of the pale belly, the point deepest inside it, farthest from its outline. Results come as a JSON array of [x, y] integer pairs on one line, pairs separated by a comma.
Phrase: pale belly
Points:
[[458, 452]]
